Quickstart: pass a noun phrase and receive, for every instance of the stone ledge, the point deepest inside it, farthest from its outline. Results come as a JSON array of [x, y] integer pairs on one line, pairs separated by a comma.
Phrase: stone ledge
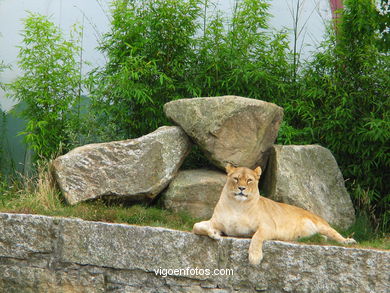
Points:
[[47, 254]]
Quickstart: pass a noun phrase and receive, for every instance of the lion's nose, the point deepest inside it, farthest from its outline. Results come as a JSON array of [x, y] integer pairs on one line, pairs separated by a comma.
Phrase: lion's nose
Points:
[[241, 188]]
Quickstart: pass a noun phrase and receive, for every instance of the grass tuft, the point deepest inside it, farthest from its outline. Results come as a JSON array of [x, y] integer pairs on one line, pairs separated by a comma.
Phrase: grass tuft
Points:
[[39, 195]]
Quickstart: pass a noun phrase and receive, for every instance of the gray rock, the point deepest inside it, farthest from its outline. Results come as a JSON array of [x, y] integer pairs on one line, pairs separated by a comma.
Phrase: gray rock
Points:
[[137, 169], [16, 278], [229, 129], [81, 256], [195, 192], [309, 177]]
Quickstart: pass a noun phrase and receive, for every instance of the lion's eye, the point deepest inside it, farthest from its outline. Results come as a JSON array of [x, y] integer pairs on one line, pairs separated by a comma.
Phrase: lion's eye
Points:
[[235, 179], [249, 181]]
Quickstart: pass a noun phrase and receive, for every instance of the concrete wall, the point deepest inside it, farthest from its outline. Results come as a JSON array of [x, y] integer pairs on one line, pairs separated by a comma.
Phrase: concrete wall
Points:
[[45, 254]]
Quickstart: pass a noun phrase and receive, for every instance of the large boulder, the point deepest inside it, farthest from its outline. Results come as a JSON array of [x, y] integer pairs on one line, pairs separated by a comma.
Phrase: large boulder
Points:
[[135, 169], [309, 177], [229, 129], [195, 192]]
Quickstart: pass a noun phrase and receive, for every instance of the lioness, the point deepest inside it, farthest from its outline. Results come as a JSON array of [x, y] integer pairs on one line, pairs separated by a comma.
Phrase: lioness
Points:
[[242, 212]]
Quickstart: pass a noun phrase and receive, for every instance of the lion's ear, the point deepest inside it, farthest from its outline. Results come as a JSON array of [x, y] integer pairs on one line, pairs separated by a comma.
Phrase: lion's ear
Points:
[[258, 172], [229, 168]]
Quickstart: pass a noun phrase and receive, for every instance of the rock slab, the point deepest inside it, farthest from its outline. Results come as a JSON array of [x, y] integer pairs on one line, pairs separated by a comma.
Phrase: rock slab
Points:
[[308, 177], [72, 255], [136, 169], [195, 192], [229, 129]]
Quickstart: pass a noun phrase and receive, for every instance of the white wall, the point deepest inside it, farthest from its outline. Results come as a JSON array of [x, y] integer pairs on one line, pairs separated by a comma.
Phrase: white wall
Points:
[[93, 14]]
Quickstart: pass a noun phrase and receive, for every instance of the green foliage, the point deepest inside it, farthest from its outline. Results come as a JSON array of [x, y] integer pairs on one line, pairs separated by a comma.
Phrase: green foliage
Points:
[[344, 105], [240, 56], [383, 21], [159, 51], [148, 48], [50, 84]]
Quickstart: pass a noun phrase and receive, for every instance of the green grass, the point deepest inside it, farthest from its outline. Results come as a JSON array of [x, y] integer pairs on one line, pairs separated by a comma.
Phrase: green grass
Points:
[[40, 196], [101, 212]]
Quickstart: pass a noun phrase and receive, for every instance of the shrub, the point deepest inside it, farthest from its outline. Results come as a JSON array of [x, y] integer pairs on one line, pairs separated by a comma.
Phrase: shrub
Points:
[[239, 55], [344, 105], [50, 85], [164, 50], [148, 49]]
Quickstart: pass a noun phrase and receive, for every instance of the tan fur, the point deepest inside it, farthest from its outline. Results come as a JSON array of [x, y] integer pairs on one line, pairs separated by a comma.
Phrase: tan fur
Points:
[[247, 214]]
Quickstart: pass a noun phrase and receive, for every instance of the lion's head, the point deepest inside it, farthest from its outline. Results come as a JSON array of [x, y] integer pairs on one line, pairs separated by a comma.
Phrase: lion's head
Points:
[[242, 183]]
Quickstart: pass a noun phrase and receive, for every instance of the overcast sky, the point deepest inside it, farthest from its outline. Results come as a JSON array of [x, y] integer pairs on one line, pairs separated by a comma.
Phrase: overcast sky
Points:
[[93, 13]]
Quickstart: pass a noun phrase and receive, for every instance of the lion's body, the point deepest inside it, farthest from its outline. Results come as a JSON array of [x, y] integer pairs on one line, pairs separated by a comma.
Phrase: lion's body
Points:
[[242, 212]]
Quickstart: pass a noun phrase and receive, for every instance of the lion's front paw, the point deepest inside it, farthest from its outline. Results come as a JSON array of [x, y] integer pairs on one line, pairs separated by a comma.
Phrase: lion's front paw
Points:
[[255, 258], [215, 235], [349, 241]]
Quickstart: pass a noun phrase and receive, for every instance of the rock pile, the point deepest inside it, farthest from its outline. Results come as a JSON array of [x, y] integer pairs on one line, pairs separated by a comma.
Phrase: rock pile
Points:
[[228, 129]]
